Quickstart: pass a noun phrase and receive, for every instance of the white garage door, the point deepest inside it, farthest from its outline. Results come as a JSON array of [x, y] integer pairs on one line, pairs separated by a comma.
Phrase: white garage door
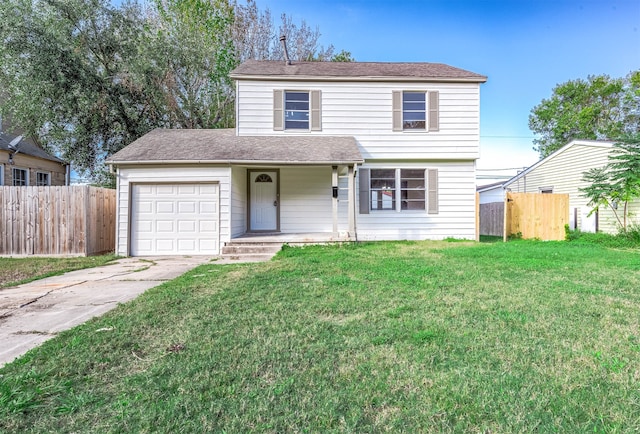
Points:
[[170, 219]]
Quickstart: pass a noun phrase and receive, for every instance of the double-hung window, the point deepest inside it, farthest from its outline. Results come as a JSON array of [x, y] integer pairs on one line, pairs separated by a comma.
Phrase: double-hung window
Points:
[[20, 177], [42, 179], [297, 110], [416, 110], [398, 190]]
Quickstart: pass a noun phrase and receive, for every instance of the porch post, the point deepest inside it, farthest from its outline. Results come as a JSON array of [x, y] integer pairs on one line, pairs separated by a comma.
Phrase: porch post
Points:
[[352, 204], [334, 186]]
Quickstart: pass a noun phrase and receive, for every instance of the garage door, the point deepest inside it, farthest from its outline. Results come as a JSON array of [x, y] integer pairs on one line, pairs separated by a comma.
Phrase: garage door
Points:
[[170, 219]]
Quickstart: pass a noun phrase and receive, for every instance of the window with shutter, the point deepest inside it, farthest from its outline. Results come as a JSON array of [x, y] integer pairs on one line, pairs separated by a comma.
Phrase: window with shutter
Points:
[[297, 110], [392, 189], [415, 110]]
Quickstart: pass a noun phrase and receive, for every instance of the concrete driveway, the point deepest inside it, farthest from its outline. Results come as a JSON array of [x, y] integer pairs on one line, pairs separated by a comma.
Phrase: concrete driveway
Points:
[[34, 312]]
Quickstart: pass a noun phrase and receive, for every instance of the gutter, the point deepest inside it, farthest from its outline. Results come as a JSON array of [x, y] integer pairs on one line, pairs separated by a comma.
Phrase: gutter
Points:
[[359, 79], [236, 162]]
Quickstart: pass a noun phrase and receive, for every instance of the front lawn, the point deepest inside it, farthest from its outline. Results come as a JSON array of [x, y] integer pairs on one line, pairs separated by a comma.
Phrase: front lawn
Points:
[[15, 271], [411, 336]]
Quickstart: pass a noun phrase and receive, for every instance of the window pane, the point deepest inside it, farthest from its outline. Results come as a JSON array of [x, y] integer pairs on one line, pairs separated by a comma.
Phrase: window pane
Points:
[[296, 125], [297, 96], [414, 96], [412, 173], [383, 200], [383, 173], [297, 105], [413, 106], [377, 184], [414, 125], [296, 116], [414, 116]]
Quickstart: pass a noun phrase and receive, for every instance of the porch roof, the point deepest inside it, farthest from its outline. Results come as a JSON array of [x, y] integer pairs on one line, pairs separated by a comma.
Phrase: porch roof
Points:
[[181, 146]]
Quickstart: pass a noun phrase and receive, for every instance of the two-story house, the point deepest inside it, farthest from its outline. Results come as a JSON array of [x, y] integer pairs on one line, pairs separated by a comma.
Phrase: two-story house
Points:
[[366, 151]]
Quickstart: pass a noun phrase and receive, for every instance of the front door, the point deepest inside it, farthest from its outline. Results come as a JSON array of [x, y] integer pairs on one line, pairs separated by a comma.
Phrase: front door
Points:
[[263, 201]]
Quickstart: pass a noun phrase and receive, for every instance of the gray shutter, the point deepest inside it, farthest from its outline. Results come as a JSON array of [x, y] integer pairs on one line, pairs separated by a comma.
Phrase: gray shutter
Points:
[[397, 110], [363, 189], [432, 191], [278, 112], [316, 110], [434, 111]]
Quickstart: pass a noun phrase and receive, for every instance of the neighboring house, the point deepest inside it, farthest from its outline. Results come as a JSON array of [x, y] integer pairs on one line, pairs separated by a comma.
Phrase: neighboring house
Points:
[[562, 172], [367, 151], [24, 163]]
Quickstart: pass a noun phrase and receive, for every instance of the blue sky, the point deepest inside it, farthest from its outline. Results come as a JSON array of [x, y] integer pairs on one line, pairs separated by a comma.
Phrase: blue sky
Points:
[[524, 47]]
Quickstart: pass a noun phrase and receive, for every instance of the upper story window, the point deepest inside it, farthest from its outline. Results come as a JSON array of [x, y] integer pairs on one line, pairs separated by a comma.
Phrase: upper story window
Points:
[[297, 110], [416, 110], [43, 179], [20, 177]]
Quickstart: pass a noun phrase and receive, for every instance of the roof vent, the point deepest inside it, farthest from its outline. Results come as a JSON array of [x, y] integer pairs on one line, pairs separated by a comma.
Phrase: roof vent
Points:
[[283, 40]]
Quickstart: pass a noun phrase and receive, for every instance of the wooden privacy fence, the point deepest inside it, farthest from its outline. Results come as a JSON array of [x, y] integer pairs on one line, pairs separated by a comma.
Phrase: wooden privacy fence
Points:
[[71, 220], [529, 215], [492, 219], [536, 215]]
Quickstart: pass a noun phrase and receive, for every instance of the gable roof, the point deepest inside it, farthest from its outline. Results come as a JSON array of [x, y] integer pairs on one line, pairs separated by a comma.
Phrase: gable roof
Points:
[[223, 146], [555, 154], [353, 71], [28, 147]]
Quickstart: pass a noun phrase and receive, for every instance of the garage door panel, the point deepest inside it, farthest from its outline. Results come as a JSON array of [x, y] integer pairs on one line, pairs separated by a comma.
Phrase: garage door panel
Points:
[[187, 226], [174, 219], [187, 207]]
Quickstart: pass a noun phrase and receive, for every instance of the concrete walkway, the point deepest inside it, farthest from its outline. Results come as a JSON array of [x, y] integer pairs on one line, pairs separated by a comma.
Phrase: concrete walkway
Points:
[[34, 312]]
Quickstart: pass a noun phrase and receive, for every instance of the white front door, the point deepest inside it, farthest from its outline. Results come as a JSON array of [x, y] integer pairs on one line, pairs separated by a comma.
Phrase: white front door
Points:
[[264, 204]]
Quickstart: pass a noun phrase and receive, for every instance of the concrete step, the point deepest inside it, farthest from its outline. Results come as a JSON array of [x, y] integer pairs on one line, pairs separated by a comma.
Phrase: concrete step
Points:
[[231, 259], [246, 249]]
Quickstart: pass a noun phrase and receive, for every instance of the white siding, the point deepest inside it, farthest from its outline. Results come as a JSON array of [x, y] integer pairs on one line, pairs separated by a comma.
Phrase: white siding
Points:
[[306, 200], [496, 194], [563, 172], [238, 201], [364, 110], [457, 211], [162, 174]]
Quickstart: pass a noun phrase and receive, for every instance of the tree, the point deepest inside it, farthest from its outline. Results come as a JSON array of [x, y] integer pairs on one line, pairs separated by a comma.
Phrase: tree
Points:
[[84, 78], [618, 183], [599, 108], [257, 38]]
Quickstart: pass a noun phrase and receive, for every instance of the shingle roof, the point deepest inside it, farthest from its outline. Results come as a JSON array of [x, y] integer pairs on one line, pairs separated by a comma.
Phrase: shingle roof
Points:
[[27, 147], [353, 71], [223, 146]]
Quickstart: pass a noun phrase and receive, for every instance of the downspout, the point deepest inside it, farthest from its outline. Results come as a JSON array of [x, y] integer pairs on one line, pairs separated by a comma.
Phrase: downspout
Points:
[[67, 175]]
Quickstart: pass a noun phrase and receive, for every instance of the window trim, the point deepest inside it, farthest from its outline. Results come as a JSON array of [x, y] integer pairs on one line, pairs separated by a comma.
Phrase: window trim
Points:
[[13, 176], [48, 174]]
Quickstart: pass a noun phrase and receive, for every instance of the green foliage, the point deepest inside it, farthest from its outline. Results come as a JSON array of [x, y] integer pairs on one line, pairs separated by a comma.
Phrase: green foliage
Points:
[[618, 183], [624, 239], [84, 78], [600, 107], [343, 56]]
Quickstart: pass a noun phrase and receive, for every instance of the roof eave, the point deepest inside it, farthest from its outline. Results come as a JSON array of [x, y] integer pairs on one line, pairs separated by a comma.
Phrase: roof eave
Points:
[[233, 162], [254, 77]]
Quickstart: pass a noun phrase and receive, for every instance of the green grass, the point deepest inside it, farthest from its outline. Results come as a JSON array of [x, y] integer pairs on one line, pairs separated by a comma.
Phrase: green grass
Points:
[[15, 271], [522, 336]]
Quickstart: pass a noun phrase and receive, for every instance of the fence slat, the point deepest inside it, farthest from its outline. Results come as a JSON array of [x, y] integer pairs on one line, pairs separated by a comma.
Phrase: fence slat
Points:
[[71, 220]]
